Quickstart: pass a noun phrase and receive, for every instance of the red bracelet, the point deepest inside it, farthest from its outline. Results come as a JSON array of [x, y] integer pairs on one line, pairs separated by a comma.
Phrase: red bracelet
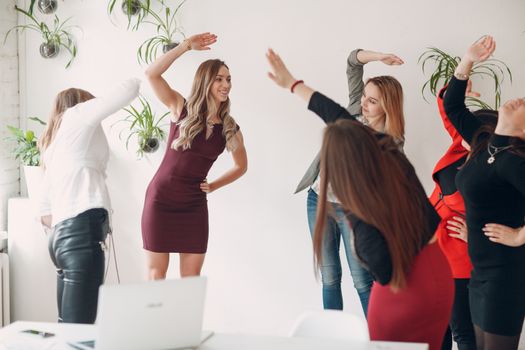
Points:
[[295, 84]]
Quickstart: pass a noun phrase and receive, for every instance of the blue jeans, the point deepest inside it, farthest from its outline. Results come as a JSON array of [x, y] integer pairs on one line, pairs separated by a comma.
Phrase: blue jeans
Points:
[[331, 263]]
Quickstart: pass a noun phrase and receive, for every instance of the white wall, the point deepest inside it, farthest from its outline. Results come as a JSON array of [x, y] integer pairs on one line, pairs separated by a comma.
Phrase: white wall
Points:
[[259, 262], [9, 107]]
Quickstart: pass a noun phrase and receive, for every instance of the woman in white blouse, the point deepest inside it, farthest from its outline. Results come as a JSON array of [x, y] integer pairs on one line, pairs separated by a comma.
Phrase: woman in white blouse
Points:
[[75, 201]]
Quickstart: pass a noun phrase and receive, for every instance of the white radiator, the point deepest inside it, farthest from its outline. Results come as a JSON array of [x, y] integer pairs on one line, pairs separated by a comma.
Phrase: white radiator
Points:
[[4, 289]]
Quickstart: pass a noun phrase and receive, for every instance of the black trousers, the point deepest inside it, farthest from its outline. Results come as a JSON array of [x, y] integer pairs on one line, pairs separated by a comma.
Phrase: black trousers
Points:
[[460, 327], [76, 247]]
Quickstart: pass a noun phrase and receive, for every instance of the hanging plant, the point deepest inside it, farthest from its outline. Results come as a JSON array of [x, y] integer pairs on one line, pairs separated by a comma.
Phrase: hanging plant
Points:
[[135, 11], [53, 38], [47, 6], [165, 22], [44, 6], [144, 124], [445, 65]]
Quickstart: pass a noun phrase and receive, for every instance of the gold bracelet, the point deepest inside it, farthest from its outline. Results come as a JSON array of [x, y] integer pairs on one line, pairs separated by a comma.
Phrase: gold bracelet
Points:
[[188, 46], [461, 76]]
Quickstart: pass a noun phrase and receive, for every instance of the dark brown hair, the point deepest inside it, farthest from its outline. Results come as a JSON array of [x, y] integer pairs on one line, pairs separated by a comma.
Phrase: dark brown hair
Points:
[[373, 180], [481, 138]]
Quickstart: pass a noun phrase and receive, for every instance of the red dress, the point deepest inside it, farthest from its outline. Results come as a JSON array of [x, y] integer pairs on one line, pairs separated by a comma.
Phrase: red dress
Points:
[[419, 312], [451, 205], [175, 215]]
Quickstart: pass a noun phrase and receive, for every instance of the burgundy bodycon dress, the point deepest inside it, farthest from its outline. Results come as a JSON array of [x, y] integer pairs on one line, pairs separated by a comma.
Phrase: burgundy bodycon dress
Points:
[[175, 215]]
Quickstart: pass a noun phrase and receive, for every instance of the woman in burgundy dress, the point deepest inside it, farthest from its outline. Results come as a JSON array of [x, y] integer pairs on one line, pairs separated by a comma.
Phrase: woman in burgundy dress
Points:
[[175, 215]]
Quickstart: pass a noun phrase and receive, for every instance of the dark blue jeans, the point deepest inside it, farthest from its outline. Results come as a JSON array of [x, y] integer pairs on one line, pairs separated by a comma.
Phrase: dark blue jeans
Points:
[[76, 248], [331, 271]]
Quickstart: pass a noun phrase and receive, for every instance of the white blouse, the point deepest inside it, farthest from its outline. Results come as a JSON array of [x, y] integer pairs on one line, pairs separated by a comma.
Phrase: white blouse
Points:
[[76, 160]]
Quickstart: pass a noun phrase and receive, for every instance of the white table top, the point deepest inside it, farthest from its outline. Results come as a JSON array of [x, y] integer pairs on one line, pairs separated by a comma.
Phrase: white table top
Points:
[[12, 339]]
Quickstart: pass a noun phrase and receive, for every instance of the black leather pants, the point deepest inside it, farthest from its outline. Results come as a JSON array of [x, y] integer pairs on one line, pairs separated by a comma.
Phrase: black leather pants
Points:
[[76, 247]]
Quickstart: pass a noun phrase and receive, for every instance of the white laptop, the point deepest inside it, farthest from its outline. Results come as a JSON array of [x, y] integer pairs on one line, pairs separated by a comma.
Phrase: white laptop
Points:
[[150, 315]]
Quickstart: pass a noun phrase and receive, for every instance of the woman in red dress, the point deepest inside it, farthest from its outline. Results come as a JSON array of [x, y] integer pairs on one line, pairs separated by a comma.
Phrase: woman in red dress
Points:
[[392, 220], [175, 215]]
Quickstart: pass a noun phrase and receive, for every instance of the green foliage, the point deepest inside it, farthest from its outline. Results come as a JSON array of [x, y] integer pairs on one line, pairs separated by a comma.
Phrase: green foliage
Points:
[[134, 20], [165, 23], [26, 148], [143, 124], [445, 65], [59, 35]]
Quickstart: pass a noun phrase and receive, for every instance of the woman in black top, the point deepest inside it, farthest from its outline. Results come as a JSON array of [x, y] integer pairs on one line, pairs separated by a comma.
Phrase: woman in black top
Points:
[[492, 183], [392, 220]]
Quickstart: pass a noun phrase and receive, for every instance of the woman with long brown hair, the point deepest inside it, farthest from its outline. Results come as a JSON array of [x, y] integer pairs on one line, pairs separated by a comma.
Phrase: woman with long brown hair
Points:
[[392, 219], [75, 201], [378, 102], [492, 183], [175, 215]]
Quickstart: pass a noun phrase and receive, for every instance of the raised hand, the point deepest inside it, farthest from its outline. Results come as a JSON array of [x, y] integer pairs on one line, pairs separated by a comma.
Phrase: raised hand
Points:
[[469, 92], [481, 49], [512, 237], [391, 59], [202, 41], [280, 74], [458, 225]]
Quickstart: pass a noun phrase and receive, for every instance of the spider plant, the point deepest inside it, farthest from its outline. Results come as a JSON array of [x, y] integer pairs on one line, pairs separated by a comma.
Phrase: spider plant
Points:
[[165, 22], [445, 64], [144, 124], [53, 38], [26, 148], [135, 10]]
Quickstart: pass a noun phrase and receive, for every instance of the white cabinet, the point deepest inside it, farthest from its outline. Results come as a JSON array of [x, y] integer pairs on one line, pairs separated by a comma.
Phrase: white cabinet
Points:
[[32, 274]]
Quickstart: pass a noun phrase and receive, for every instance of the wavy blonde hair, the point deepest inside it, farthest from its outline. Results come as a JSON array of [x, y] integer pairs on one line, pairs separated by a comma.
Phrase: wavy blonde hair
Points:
[[64, 100], [392, 102], [201, 105]]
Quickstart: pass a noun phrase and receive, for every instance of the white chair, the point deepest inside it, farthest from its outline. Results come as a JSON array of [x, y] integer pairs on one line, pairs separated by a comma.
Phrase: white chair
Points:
[[330, 324]]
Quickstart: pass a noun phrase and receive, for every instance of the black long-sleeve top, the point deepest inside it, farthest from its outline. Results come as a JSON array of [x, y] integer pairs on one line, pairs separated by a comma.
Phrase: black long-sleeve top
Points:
[[369, 243], [493, 193]]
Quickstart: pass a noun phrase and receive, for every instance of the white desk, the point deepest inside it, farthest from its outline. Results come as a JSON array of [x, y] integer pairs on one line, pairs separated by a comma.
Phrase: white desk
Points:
[[10, 338]]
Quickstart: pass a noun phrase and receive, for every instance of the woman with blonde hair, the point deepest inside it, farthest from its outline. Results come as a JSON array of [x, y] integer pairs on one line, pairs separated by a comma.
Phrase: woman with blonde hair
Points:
[[175, 215], [377, 103], [392, 220], [74, 199]]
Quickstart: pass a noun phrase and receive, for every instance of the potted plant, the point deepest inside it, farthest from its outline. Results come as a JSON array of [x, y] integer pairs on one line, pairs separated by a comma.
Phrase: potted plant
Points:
[[165, 23], [445, 64], [45, 6], [26, 150], [144, 124], [133, 9], [53, 38]]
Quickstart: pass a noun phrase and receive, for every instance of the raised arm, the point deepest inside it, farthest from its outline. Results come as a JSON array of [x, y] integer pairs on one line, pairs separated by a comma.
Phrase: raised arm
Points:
[[354, 74], [454, 102], [323, 106], [169, 97], [444, 118], [93, 111]]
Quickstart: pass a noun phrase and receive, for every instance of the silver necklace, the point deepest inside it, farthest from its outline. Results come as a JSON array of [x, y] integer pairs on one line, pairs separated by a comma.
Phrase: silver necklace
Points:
[[497, 150]]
